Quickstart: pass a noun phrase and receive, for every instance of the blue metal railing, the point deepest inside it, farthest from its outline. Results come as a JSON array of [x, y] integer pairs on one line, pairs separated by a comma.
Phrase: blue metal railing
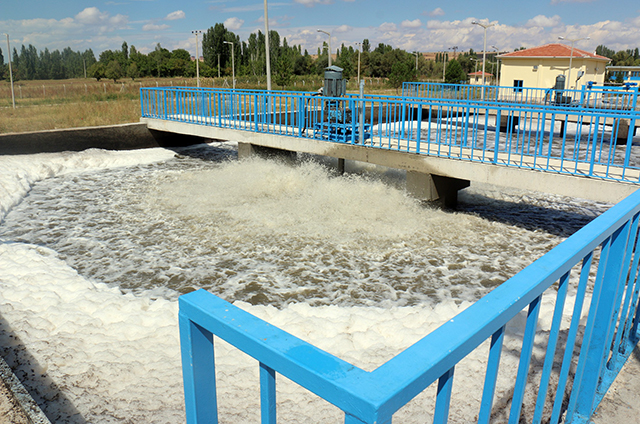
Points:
[[576, 140], [598, 265], [623, 97]]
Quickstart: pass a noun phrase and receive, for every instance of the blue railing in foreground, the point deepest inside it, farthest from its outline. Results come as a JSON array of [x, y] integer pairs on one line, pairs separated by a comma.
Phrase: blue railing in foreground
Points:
[[598, 265], [598, 97], [577, 140]]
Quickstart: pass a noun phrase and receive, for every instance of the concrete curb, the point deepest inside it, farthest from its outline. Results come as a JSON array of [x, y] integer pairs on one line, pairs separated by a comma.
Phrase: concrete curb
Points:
[[30, 408]]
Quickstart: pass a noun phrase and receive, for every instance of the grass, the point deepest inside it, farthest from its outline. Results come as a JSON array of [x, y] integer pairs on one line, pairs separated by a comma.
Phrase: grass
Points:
[[58, 104]]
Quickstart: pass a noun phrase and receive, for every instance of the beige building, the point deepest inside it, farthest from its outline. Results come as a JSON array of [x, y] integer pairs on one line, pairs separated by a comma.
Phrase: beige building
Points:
[[475, 78], [539, 66]]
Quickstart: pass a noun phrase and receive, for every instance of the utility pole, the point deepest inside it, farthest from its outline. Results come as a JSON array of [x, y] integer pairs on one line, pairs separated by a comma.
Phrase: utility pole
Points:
[[13, 97], [196, 32]]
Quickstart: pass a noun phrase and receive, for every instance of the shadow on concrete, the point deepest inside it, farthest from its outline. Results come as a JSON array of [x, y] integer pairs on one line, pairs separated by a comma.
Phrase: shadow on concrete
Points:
[[44, 391]]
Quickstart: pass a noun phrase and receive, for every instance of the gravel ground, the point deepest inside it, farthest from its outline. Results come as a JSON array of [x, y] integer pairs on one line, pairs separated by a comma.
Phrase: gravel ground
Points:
[[10, 411]]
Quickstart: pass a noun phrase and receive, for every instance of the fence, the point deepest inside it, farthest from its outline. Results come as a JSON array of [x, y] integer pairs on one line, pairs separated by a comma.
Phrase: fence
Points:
[[576, 140], [623, 97], [598, 265]]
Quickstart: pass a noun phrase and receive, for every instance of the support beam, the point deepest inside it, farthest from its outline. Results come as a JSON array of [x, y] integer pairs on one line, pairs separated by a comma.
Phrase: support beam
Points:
[[246, 150], [431, 187]]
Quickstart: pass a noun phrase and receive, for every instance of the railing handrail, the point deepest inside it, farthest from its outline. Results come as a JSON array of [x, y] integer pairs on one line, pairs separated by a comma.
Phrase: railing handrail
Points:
[[375, 396], [421, 101]]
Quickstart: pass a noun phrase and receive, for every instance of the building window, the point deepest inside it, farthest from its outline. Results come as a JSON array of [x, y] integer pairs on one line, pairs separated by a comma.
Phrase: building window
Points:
[[517, 86]]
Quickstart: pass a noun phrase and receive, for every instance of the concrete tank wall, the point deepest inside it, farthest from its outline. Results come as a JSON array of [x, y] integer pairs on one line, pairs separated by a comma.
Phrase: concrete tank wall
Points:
[[112, 137]]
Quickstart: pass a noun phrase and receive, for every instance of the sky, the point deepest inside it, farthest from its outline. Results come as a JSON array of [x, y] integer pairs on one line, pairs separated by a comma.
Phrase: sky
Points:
[[424, 26]]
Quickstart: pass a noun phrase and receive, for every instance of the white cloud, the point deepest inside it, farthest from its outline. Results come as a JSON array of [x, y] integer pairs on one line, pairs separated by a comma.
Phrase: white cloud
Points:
[[92, 16], [544, 21], [435, 12], [233, 24], [411, 24], [342, 29], [178, 14], [154, 27], [387, 26]]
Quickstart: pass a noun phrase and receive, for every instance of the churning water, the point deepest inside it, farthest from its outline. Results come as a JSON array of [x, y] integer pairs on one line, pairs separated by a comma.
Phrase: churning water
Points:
[[349, 263], [265, 232]]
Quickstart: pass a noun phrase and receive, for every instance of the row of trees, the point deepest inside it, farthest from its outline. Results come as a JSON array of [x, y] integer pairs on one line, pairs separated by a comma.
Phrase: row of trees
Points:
[[29, 64], [249, 57], [629, 57]]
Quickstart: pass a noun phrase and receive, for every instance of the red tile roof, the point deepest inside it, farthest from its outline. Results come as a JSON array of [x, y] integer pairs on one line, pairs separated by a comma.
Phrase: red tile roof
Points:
[[553, 50], [479, 74]]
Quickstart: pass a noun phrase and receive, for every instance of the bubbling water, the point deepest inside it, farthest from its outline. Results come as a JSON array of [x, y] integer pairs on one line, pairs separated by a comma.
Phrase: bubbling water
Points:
[[266, 232]]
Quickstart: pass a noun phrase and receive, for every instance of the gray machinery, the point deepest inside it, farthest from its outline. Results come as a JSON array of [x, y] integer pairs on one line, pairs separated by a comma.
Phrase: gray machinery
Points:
[[559, 89], [337, 121]]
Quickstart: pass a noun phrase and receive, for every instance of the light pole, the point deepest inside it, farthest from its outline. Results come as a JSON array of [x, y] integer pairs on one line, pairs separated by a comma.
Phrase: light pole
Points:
[[13, 97], [266, 45], [416, 53], [484, 49], [233, 64], [325, 32], [498, 59], [196, 32], [571, 55], [359, 50], [444, 64]]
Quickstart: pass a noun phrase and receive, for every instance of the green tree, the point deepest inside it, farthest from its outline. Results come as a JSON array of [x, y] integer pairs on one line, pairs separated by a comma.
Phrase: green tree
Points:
[[132, 71], [97, 71], [401, 72], [113, 71], [454, 73]]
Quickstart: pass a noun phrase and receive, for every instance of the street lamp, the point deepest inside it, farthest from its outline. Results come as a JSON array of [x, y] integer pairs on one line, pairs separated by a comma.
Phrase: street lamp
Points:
[[484, 49], [325, 32], [571, 55], [498, 59], [196, 32], [359, 50], [267, 46], [416, 53], [233, 64], [13, 97]]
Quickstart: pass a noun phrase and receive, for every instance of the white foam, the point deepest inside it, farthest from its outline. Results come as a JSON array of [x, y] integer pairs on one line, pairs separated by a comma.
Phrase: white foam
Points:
[[115, 357]]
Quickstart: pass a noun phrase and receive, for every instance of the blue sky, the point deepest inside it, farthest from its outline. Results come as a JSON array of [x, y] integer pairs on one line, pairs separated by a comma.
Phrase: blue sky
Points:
[[407, 24]]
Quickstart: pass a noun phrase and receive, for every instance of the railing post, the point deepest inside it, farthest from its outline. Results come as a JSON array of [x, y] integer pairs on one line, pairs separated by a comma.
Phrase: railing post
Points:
[[267, 394], [600, 326], [198, 373]]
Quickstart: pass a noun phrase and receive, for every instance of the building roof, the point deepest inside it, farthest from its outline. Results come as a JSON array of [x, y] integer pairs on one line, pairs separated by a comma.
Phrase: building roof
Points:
[[479, 74], [552, 50]]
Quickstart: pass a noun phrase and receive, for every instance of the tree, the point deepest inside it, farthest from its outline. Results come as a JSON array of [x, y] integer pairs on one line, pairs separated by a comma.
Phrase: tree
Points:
[[284, 70], [454, 73], [132, 71], [113, 71], [401, 72], [97, 71]]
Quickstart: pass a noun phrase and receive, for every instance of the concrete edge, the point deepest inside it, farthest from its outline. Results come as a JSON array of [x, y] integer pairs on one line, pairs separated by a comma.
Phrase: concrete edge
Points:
[[23, 398]]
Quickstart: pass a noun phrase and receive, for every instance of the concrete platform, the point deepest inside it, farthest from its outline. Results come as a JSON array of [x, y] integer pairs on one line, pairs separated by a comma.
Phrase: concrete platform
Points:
[[621, 404]]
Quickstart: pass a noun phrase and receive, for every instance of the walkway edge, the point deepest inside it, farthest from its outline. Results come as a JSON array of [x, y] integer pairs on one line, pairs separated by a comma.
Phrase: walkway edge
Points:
[[23, 398]]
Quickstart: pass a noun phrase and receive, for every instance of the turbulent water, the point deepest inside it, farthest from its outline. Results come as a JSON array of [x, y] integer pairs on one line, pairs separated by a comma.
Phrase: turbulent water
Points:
[[348, 263], [267, 232]]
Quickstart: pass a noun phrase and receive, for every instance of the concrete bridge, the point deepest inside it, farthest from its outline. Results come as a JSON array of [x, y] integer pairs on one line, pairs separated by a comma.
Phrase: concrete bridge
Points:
[[443, 144]]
